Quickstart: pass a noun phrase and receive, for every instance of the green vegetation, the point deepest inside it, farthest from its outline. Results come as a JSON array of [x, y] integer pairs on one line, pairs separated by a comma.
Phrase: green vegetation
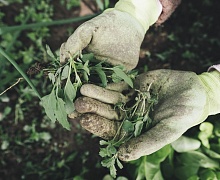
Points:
[[78, 70], [33, 147], [136, 121]]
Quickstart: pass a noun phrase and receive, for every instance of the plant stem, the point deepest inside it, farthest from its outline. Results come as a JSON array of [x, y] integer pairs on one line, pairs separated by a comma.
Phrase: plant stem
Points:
[[8, 29], [20, 71]]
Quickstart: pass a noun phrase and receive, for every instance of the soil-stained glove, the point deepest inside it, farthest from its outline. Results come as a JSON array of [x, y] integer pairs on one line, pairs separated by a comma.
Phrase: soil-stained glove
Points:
[[115, 35], [169, 7], [184, 100]]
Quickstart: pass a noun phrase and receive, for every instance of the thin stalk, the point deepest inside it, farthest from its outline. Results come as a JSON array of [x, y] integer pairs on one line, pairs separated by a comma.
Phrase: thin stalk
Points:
[[73, 65], [20, 71], [8, 29]]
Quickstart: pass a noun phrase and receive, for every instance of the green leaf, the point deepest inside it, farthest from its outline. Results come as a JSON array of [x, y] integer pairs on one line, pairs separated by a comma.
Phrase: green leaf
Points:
[[148, 170], [194, 177], [86, 71], [160, 155], [103, 152], [139, 166], [111, 150], [128, 126], [86, 57], [108, 162], [49, 104], [208, 174], [69, 94], [217, 129], [138, 128], [85, 76], [113, 171], [65, 72], [197, 159], [119, 163], [4, 145], [52, 77], [115, 78], [102, 76], [218, 174], [206, 129], [121, 178], [216, 146], [211, 153], [58, 71], [69, 106], [100, 4], [86, 67], [184, 144], [119, 72], [69, 90], [50, 53], [186, 172], [103, 142], [106, 3], [61, 115], [153, 171]]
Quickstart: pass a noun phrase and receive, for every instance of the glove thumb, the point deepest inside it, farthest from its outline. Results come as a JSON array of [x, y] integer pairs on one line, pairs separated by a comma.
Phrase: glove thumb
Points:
[[77, 41]]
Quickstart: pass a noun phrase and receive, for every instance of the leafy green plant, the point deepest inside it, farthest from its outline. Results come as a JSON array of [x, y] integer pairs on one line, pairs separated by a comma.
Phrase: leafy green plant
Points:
[[149, 167], [188, 158], [68, 78], [135, 121]]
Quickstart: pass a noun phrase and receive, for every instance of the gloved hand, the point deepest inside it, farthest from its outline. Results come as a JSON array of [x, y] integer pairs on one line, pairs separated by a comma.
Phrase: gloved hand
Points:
[[184, 100], [115, 35], [169, 7]]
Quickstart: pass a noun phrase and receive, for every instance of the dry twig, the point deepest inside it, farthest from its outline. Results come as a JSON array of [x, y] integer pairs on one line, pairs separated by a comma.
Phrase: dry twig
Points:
[[19, 79]]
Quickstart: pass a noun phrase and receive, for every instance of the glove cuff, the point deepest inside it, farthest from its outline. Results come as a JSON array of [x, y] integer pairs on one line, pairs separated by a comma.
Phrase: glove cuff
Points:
[[211, 82], [146, 12], [215, 67]]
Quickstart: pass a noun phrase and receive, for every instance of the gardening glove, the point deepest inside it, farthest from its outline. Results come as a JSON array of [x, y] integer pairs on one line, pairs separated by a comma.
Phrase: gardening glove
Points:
[[116, 35], [169, 7], [184, 100]]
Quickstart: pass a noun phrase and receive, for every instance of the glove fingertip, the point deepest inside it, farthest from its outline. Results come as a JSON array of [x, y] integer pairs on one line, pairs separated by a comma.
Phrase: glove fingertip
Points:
[[125, 153], [74, 115], [99, 126], [62, 53]]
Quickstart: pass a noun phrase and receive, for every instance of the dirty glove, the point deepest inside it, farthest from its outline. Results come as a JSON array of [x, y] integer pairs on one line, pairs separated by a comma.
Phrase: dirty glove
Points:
[[169, 7], [115, 35], [184, 100]]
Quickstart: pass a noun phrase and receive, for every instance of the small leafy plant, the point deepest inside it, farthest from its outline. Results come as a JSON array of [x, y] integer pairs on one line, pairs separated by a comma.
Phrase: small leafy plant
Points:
[[135, 121], [68, 78]]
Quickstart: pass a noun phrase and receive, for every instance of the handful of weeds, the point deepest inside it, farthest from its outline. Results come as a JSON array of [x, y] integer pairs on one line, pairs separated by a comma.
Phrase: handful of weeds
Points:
[[80, 69], [69, 77], [135, 122]]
